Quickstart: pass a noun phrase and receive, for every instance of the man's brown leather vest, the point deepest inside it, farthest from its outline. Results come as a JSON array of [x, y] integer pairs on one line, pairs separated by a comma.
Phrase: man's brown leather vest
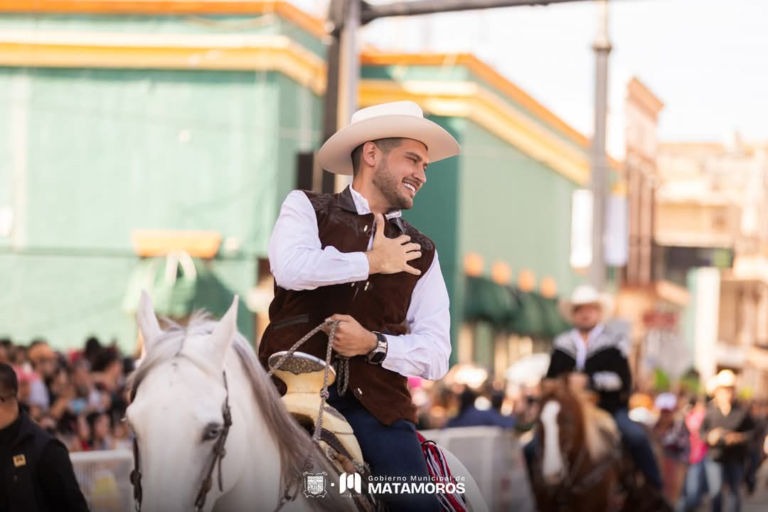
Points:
[[379, 303]]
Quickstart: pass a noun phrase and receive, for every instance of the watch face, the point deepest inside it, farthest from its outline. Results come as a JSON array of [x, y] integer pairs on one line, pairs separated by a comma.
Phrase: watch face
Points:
[[378, 356]]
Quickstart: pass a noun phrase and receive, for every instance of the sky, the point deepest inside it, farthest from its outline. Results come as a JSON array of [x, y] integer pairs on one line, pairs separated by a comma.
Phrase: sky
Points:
[[707, 60]]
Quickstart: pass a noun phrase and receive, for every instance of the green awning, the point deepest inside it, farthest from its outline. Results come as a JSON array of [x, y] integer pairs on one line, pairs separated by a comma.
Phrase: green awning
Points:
[[529, 318], [510, 309], [487, 301], [555, 323], [537, 316], [179, 285]]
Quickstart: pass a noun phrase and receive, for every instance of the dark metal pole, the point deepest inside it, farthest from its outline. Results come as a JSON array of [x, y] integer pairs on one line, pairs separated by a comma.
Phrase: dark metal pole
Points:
[[343, 68], [599, 179], [331, 98], [372, 12]]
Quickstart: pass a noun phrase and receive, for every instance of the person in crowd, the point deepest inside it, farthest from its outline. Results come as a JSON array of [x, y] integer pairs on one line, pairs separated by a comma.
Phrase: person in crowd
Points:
[[470, 416], [672, 435], [43, 361], [696, 478], [99, 424], [36, 474], [755, 454], [727, 429]]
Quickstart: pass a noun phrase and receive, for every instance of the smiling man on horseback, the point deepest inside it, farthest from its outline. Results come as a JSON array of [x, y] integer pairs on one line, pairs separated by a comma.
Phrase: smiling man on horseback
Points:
[[600, 352], [351, 258]]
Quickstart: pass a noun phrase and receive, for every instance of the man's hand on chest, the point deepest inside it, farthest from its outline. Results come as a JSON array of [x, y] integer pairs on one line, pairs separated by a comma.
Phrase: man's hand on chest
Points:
[[351, 339], [391, 255]]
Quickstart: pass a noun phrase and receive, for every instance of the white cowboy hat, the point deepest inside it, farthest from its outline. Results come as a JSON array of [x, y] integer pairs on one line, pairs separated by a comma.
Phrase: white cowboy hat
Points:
[[724, 379], [403, 119], [583, 295]]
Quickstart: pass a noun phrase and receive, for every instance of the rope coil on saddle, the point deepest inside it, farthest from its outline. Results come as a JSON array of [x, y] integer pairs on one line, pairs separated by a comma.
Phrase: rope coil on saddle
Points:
[[343, 383]]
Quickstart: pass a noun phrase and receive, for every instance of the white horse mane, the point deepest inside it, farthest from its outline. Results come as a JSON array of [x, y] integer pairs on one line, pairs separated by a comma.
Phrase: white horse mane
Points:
[[293, 442]]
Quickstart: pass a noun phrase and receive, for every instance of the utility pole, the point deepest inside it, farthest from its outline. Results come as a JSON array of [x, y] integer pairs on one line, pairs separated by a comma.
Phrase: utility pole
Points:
[[599, 176], [346, 17], [343, 66]]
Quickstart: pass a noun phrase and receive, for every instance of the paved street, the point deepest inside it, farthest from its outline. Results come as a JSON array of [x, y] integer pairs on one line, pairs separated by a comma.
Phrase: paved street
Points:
[[759, 501]]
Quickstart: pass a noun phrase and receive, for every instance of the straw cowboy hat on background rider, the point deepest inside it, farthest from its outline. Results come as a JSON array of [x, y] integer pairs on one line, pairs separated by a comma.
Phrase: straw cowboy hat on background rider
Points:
[[586, 296], [351, 257]]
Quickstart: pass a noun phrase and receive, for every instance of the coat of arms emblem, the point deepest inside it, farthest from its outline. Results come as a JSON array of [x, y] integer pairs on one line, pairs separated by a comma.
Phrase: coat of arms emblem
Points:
[[314, 484]]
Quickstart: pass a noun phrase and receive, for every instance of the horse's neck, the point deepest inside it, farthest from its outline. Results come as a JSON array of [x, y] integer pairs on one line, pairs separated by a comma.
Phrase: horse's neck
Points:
[[260, 479]]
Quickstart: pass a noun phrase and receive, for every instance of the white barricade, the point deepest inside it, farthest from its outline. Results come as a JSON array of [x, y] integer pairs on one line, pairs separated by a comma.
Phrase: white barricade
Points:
[[104, 478], [493, 457], [495, 460]]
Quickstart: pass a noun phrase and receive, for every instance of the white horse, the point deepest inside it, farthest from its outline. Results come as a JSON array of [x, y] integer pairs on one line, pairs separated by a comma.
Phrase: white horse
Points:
[[182, 388]]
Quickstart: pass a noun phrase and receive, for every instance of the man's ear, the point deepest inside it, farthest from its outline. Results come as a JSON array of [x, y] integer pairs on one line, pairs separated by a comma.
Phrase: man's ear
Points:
[[371, 154]]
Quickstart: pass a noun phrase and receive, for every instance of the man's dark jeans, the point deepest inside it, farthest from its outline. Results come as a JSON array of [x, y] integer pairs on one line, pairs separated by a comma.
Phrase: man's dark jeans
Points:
[[392, 451]]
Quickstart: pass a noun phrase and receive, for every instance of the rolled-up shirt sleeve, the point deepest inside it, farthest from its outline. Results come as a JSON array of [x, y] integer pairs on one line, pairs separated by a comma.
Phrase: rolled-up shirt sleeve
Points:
[[426, 350], [296, 256]]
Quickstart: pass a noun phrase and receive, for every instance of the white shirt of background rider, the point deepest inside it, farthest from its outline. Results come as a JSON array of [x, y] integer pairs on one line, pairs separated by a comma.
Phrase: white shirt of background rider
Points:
[[299, 262], [603, 381]]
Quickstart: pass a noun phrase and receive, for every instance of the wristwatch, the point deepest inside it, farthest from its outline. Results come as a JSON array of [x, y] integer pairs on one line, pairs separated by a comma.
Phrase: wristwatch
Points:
[[378, 354]]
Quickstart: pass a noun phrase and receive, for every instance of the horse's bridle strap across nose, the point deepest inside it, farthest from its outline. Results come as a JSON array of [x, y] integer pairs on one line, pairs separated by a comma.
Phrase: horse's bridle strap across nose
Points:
[[219, 452]]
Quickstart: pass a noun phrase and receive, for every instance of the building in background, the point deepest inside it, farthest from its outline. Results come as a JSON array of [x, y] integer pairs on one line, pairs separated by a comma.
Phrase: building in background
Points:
[[647, 299], [500, 213], [124, 120], [713, 212], [174, 131]]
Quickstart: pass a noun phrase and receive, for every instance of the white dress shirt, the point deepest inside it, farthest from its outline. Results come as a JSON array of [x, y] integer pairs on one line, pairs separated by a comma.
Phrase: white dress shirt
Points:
[[582, 348], [299, 262]]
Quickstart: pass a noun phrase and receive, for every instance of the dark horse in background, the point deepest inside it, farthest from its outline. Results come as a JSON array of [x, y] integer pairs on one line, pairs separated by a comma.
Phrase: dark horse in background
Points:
[[580, 464]]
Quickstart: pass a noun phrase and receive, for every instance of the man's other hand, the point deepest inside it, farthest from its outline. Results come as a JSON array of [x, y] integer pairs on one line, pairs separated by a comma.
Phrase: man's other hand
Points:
[[351, 339]]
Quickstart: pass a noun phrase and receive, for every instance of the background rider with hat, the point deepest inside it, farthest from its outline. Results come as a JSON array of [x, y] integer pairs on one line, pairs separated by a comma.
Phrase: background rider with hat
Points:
[[600, 351]]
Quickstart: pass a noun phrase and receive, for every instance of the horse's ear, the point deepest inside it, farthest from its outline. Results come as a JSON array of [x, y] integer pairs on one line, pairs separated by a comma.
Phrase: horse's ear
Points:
[[147, 320], [224, 333]]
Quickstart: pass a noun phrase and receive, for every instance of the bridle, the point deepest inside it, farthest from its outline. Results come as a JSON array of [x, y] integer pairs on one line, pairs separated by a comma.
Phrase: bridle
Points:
[[218, 452]]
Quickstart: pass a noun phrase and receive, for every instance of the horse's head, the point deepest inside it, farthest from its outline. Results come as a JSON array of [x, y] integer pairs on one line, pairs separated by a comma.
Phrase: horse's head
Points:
[[561, 428], [179, 412]]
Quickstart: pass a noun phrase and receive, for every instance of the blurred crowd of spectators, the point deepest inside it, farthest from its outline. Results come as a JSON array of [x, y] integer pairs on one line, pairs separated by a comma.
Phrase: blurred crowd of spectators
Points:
[[80, 396]]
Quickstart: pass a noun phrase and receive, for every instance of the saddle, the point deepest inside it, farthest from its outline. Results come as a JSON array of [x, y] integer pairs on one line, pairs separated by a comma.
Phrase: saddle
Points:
[[303, 376]]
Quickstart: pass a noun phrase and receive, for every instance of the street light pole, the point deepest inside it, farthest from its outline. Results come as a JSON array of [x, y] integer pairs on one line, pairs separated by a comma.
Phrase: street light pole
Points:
[[372, 12], [599, 175], [343, 72], [345, 18]]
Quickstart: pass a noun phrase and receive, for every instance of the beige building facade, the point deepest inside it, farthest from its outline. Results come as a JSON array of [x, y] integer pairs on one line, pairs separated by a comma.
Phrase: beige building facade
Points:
[[712, 211]]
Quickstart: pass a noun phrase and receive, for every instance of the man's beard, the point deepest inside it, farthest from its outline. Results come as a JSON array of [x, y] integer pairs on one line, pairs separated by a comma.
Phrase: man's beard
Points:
[[390, 188]]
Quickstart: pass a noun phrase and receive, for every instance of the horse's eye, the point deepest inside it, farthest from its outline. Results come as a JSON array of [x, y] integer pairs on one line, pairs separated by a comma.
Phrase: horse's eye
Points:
[[211, 432]]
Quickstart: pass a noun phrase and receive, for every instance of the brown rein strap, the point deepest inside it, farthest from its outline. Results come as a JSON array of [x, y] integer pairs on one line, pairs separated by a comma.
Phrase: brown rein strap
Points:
[[219, 452]]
